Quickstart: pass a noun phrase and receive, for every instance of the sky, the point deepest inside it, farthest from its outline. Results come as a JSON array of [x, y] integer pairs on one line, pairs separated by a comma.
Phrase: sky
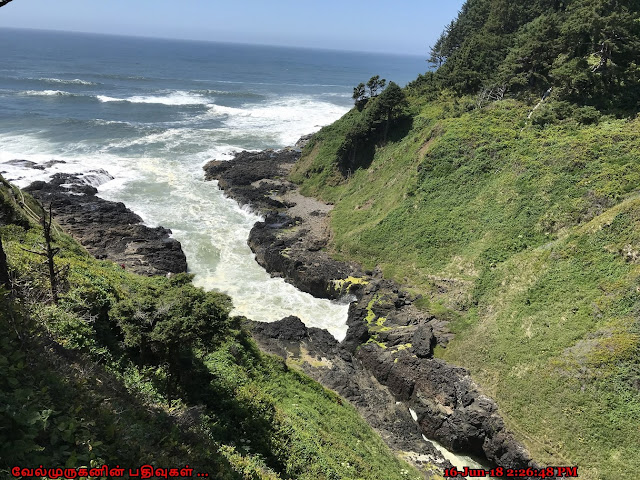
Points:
[[401, 27]]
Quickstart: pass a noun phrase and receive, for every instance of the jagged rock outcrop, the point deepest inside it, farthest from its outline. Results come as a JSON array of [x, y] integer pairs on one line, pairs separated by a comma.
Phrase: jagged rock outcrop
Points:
[[109, 230], [321, 356], [389, 343], [448, 405], [289, 242]]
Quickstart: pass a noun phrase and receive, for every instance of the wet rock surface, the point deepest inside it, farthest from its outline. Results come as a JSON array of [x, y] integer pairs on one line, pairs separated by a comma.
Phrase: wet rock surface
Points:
[[387, 355], [254, 178], [109, 230], [319, 355], [289, 242]]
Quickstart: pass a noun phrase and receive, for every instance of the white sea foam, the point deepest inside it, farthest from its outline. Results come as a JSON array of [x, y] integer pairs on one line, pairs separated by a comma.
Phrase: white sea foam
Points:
[[100, 121], [278, 84], [287, 119], [55, 158], [158, 174], [213, 231], [177, 97], [458, 461], [46, 93], [105, 98], [75, 81], [414, 415]]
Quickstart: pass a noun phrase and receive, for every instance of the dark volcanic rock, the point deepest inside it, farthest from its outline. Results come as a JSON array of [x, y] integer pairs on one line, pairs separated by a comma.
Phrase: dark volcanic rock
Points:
[[286, 245], [243, 177], [109, 230], [423, 342], [448, 404], [34, 165], [311, 271], [289, 328], [357, 333], [321, 357], [303, 141], [387, 355]]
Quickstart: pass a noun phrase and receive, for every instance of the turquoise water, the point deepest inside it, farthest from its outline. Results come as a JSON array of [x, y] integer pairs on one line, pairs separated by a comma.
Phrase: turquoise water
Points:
[[141, 116]]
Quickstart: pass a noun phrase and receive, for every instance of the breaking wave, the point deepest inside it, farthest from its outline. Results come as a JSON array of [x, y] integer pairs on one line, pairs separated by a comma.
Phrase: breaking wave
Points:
[[75, 81]]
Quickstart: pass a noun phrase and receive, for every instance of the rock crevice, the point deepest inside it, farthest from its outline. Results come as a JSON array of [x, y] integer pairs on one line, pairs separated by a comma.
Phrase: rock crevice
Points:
[[389, 343]]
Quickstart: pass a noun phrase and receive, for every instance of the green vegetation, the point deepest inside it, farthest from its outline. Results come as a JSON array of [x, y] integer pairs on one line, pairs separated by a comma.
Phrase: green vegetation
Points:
[[129, 370], [507, 228], [517, 220], [345, 285], [585, 49], [370, 124], [374, 84]]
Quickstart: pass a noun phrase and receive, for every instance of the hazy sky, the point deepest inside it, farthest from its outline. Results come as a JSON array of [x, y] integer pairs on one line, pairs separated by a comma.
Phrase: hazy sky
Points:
[[378, 26]]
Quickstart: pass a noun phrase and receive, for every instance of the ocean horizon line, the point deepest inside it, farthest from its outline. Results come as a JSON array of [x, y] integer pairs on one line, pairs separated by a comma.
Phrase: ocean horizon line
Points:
[[212, 41]]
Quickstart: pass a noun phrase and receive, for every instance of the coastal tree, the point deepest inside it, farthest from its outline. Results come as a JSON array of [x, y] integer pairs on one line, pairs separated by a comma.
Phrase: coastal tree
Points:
[[359, 92], [359, 95], [436, 51], [585, 49], [166, 319], [48, 251], [374, 84], [390, 102]]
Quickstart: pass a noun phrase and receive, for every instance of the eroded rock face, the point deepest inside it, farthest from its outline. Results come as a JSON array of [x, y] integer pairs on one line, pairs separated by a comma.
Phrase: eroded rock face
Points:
[[285, 246], [289, 242], [321, 357], [387, 355], [448, 405], [109, 230], [253, 178]]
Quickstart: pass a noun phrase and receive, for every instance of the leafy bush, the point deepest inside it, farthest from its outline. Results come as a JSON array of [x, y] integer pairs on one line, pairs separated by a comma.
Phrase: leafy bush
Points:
[[587, 115]]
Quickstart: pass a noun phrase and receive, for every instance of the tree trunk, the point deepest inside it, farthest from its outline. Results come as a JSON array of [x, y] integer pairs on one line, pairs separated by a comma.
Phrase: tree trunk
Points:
[[51, 252], [4, 268]]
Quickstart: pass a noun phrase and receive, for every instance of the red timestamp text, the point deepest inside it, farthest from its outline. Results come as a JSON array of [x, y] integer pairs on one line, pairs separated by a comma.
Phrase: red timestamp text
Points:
[[500, 472]]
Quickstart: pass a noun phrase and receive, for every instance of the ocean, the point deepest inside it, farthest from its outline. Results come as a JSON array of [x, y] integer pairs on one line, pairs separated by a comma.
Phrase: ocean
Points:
[[139, 117]]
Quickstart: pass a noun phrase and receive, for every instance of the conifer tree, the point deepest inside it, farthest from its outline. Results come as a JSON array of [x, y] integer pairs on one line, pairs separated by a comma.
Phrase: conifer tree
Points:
[[390, 102], [374, 84]]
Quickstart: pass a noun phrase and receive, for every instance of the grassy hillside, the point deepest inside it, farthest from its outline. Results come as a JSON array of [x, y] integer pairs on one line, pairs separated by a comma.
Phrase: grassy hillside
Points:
[[524, 233], [129, 370]]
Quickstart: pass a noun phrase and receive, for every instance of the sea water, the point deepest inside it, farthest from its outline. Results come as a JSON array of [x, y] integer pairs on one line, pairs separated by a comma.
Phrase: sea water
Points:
[[141, 116]]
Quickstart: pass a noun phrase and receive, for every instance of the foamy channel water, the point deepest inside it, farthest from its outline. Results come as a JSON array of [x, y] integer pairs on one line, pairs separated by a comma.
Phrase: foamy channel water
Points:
[[158, 174]]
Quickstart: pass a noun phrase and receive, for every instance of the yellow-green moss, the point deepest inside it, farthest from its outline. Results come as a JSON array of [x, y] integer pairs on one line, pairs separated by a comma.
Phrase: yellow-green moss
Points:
[[346, 284]]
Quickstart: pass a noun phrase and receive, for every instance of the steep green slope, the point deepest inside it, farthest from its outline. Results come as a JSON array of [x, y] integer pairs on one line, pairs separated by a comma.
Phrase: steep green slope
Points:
[[522, 232], [129, 370]]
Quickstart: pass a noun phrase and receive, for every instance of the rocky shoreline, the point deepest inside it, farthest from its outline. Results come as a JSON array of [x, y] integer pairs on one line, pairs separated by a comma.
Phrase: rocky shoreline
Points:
[[385, 365], [109, 230]]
